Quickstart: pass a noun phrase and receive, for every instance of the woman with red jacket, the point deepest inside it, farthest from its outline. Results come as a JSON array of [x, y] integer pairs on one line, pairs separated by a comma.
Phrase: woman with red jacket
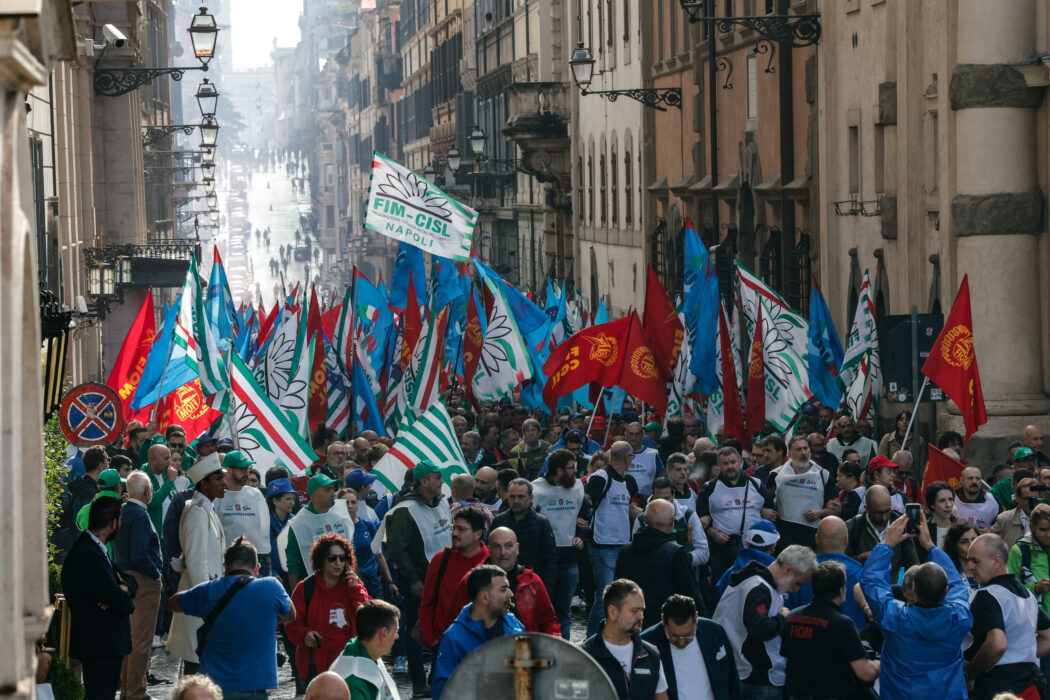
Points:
[[325, 604]]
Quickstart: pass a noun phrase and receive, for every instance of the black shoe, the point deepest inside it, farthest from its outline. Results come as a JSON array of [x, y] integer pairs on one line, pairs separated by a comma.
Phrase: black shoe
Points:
[[420, 691], [153, 680]]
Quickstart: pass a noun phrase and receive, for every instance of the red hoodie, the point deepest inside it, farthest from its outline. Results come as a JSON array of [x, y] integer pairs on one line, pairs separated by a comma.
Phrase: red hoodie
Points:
[[532, 605], [331, 614], [436, 611]]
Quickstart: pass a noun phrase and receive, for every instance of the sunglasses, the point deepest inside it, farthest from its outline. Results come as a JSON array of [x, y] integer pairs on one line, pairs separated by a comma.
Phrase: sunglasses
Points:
[[338, 557]]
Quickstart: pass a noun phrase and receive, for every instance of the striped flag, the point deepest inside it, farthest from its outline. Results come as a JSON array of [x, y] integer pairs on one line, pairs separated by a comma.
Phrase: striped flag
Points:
[[431, 436], [338, 416], [263, 430], [860, 376], [422, 383], [194, 341]]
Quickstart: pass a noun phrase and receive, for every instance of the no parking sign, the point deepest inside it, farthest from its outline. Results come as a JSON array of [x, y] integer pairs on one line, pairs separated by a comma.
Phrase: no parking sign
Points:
[[91, 414]]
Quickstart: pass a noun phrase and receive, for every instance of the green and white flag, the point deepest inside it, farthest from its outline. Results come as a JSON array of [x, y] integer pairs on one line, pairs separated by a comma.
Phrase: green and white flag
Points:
[[409, 208], [193, 339], [504, 363], [430, 436], [786, 347], [295, 401], [263, 430], [861, 374]]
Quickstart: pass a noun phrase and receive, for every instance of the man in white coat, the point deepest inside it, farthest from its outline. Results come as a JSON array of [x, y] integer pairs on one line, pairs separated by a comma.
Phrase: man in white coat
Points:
[[203, 545]]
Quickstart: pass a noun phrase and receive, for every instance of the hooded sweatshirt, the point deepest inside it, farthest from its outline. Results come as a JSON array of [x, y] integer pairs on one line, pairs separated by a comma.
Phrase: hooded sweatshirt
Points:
[[657, 563], [743, 558], [464, 636]]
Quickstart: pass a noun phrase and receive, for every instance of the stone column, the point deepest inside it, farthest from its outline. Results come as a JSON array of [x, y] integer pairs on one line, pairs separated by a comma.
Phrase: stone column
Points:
[[997, 210]]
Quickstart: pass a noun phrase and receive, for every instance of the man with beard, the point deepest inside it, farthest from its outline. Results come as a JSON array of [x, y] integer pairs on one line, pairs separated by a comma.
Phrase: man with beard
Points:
[[631, 663], [447, 569], [847, 437], [973, 503], [753, 615], [487, 617], [804, 493], [818, 452], [486, 489], [242, 508]]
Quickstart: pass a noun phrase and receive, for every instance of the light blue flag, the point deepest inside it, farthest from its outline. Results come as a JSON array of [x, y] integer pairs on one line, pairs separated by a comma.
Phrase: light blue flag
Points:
[[825, 351], [700, 303], [409, 264], [218, 304], [175, 375], [445, 279]]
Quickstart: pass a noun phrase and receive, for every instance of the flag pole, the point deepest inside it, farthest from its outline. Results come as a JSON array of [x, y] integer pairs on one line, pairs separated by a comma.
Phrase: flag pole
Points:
[[915, 412], [164, 370]]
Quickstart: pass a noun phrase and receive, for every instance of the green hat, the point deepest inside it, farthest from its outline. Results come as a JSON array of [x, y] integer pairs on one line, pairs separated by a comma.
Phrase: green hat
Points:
[[109, 478], [235, 459], [318, 481], [652, 425], [423, 468], [1021, 453], [158, 439]]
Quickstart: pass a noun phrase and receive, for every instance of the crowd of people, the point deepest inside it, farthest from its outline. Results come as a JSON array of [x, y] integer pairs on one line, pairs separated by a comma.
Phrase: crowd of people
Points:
[[808, 567]]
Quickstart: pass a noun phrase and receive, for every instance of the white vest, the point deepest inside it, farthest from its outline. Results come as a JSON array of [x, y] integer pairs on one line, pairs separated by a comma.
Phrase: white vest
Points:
[[729, 614], [244, 512], [727, 506], [367, 670], [612, 517], [1019, 625], [689, 501], [643, 469], [797, 493], [980, 515], [561, 506], [308, 526], [435, 525]]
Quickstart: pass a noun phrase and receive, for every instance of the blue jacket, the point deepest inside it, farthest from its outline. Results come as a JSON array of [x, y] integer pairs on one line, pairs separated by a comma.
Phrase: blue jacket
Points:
[[462, 637], [137, 546], [922, 653], [745, 557], [804, 595], [718, 658]]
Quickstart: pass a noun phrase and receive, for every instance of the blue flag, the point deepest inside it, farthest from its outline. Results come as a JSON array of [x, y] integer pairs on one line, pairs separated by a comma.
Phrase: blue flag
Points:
[[175, 375], [365, 411], [409, 264], [445, 277], [825, 351], [700, 303], [218, 304]]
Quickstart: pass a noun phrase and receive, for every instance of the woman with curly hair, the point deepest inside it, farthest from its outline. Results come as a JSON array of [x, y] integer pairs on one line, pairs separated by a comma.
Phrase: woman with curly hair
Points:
[[325, 604]]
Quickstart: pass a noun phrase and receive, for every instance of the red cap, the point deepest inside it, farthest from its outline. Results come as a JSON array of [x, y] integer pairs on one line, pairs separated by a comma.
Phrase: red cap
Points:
[[598, 423], [878, 462]]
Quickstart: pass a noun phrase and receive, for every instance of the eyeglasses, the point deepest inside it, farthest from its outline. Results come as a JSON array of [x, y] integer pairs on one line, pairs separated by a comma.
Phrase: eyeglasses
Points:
[[176, 446], [681, 638], [338, 557]]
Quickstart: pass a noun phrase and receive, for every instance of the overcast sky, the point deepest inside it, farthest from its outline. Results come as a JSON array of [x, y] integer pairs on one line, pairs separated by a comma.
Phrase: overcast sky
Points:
[[255, 25]]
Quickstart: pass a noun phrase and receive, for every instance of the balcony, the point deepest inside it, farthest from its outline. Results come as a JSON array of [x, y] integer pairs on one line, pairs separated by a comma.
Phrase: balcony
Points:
[[538, 122], [160, 264]]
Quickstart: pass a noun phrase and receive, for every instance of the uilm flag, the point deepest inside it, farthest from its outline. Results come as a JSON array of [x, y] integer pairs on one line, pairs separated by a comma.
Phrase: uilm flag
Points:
[[318, 405], [942, 467], [127, 370], [473, 340], [952, 363], [756, 380], [641, 375], [662, 325]]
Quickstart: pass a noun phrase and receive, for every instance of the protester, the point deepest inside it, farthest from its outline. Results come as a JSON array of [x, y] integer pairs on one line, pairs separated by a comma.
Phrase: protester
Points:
[[528, 456], [645, 465], [922, 648], [239, 651], [973, 503], [893, 441], [539, 551], [902, 476], [803, 494], [487, 617], [658, 564], [688, 530], [832, 538], [752, 612], [136, 550], [242, 508], [558, 496], [957, 543], [851, 491], [327, 686], [881, 471], [361, 482], [693, 653], [447, 569], [162, 474], [485, 488], [632, 664], [203, 547], [325, 603], [322, 515], [1013, 524], [1010, 630], [759, 546], [940, 499], [361, 662], [868, 529], [1033, 439], [371, 566], [280, 500], [100, 599], [847, 437], [196, 687]]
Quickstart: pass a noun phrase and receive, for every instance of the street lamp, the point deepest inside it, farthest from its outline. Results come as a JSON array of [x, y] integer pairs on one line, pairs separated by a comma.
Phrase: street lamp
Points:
[[214, 215], [209, 185], [477, 141], [582, 64], [454, 159], [123, 269], [429, 172], [207, 98], [208, 155], [208, 168], [212, 200], [203, 33], [209, 132]]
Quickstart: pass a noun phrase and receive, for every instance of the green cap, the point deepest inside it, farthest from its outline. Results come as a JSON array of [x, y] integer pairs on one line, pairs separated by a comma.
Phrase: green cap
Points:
[[318, 481], [235, 459], [652, 425], [158, 439], [1021, 453], [423, 468], [109, 478]]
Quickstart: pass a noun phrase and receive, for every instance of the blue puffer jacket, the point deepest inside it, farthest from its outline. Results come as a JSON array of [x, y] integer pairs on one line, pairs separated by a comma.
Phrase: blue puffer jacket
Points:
[[743, 558], [464, 636], [922, 654]]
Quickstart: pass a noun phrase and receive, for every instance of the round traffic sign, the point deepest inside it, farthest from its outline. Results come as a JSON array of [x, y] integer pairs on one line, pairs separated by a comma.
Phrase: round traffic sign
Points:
[[91, 414]]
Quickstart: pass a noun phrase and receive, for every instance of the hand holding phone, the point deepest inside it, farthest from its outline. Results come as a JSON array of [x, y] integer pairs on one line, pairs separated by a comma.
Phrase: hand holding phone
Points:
[[912, 511]]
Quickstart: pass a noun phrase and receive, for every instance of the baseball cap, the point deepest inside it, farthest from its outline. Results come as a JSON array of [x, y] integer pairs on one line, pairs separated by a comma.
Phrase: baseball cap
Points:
[[358, 478], [878, 462], [206, 437], [630, 417], [226, 441], [652, 425], [598, 422], [318, 481], [235, 459], [762, 534], [1020, 453], [279, 486], [423, 468], [109, 478]]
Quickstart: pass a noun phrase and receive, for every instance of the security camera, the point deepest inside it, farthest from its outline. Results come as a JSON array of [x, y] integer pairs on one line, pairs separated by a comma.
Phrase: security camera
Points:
[[114, 36]]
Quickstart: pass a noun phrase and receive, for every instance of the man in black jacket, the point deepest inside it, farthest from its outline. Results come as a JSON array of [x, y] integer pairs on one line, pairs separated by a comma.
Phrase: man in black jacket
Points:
[[632, 664], [538, 550], [697, 658], [100, 602], [657, 563]]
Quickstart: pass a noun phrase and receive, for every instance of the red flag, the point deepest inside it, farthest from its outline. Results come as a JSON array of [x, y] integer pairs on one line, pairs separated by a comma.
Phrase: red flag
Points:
[[642, 375], [413, 327], [472, 342], [188, 407], [662, 325], [732, 413], [942, 467], [952, 363], [330, 318], [594, 354], [756, 381], [127, 370], [317, 410]]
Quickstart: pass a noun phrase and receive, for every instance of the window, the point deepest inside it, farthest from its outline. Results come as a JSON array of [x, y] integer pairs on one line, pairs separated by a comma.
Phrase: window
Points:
[[590, 188], [610, 16], [854, 160], [579, 188], [628, 199], [614, 187], [626, 20], [880, 160], [752, 92], [604, 189]]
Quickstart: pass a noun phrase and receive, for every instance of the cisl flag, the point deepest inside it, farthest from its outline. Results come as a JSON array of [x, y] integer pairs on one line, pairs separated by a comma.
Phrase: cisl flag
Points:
[[952, 363], [127, 370]]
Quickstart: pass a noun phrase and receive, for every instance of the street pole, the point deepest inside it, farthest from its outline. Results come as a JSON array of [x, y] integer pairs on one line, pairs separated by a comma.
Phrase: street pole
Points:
[[787, 158], [712, 129], [915, 378]]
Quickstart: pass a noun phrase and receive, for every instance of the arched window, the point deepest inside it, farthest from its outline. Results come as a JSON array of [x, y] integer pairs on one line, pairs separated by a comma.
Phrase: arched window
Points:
[[579, 190], [590, 185], [628, 181], [614, 186], [594, 281], [603, 184]]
